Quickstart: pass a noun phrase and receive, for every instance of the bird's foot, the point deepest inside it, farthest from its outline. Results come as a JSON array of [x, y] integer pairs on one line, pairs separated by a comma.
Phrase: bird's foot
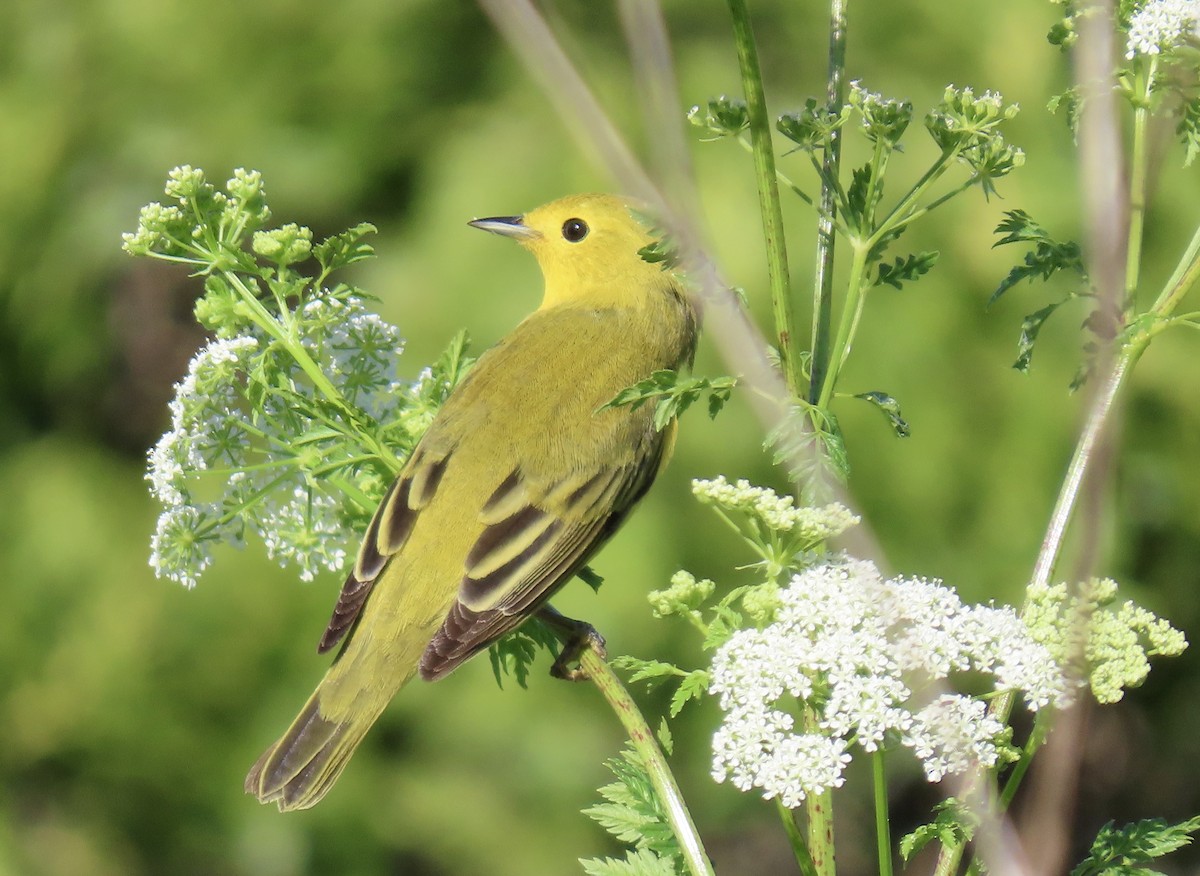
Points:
[[577, 637]]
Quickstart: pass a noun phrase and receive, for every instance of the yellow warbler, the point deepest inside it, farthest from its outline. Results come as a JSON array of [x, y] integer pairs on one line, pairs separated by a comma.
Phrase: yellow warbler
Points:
[[518, 481]]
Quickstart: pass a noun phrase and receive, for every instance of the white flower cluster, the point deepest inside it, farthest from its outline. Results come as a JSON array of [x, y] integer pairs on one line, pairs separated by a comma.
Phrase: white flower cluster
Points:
[[358, 349], [1161, 25], [848, 644], [776, 512], [220, 469]]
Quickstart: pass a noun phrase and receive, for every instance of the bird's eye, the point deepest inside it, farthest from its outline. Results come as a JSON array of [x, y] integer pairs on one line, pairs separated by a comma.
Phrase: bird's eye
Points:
[[575, 230]]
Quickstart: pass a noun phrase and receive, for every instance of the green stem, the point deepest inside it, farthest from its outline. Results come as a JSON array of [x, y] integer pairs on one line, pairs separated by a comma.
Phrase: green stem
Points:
[[835, 93], [948, 860], [768, 196], [796, 838], [1185, 275], [855, 295], [883, 832], [819, 808], [1137, 182], [268, 324], [1041, 729], [900, 214], [646, 746], [1085, 449]]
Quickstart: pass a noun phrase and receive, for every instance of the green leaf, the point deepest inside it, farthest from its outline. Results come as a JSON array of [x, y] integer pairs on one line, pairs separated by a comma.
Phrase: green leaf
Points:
[[345, 249], [856, 198], [638, 863], [1031, 326], [646, 670], [906, 269], [675, 395], [693, 687], [590, 577], [514, 653], [808, 450], [633, 812], [954, 824], [665, 739], [890, 409], [1123, 851], [1048, 256], [1189, 129]]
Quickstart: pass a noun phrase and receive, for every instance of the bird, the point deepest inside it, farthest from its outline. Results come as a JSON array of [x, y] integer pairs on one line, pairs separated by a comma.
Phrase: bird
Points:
[[522, 475]]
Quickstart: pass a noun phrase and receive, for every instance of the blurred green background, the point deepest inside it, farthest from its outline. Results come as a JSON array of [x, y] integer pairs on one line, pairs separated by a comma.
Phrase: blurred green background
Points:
[[130, 708]]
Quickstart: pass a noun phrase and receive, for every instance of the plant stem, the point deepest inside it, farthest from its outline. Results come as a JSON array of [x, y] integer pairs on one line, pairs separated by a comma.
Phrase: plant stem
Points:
[[796, 838], [1041, 728], [1137, 184], [641, 737], [883, 832], [855, 294], [1068, 494], [835, 94], [819, 808], [768, 196], [1186, 274]]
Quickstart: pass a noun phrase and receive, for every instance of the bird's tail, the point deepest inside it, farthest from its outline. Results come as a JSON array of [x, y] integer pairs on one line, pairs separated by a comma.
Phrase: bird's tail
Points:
[[299, 769]]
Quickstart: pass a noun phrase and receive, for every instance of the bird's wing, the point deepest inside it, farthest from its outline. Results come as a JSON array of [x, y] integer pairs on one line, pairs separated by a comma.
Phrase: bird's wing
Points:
[[536, 537], [389, 529]]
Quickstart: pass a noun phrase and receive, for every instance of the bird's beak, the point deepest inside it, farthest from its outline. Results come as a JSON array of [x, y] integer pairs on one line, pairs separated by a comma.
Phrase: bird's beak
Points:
[[508, 226]]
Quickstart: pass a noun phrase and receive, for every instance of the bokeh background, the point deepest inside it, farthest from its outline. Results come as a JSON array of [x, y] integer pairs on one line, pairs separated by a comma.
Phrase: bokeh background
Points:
[[130, 708]]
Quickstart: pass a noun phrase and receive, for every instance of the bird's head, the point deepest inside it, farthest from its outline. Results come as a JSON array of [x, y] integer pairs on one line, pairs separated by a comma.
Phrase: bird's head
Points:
[[587, 247]]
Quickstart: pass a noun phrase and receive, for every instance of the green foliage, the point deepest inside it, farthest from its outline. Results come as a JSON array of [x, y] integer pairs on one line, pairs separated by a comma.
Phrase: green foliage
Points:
[[954, 824], [675, 395], [1125, 851], [514, 654], [1047, 258], [905, 269], [890, 408], [633, 814]]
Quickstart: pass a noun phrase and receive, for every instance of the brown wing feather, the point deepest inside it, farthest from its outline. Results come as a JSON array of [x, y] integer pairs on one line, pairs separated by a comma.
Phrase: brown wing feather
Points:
[[389, 529], [560, 548]]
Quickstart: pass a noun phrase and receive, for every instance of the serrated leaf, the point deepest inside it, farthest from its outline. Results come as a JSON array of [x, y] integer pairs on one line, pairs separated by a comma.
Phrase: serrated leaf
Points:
[[637, 863], [1031, 326], [906, 269], [645, 670], [346, 248], [674, 395], [856, 196], [1048, 256], [693, 687], [954, 824], [890, 408], [514, 653], [665, 739], [1123, 851], [1189, 129]]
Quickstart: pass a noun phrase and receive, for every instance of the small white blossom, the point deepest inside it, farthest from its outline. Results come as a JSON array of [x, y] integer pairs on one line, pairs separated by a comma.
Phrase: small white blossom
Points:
[[952, 735], [856, 649], [1160, 25], [178, 549], [306, 531]]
